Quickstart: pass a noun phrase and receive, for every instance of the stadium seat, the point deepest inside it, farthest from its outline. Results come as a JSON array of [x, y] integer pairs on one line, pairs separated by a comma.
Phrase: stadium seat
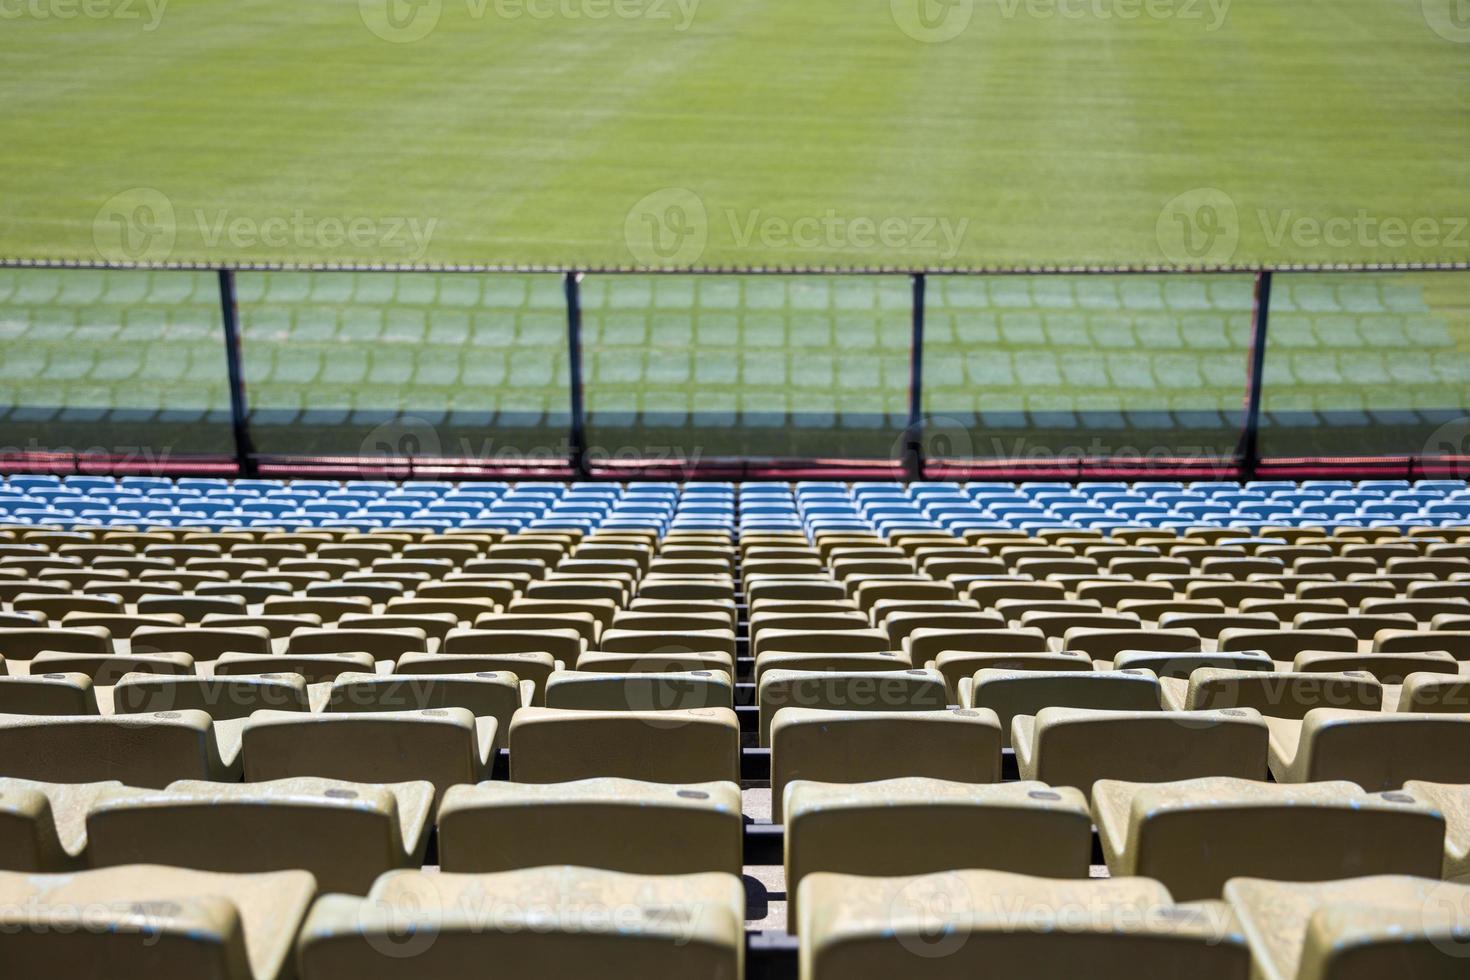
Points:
[[1276, 694], [1434, 692], [1013, 693], [148, 750], [853, 690], [930, 825], [1078, 746], [639, 691], [47, 694], [584, 920], [1453, 803], [950, 924], [823, 745], [344, 833], [1195, 835], [43, 825], [617, 824], [1377, 751], [442, 746], [688, 745], [152, 921], [1357, 928], [223, 698], [484, 694]]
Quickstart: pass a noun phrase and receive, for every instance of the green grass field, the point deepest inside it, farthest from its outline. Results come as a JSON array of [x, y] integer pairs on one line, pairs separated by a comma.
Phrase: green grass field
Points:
[[715, 132], [686, 133]]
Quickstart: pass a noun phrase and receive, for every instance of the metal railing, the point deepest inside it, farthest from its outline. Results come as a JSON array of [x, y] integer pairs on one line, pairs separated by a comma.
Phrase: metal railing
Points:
[[909, 461]]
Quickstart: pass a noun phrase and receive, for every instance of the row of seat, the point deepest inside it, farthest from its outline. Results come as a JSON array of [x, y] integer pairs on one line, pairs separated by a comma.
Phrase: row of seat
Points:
[[116, 569], [825, 635], [1191, 835], [882, 507], [446, 747], [800, 636], [179, 924]]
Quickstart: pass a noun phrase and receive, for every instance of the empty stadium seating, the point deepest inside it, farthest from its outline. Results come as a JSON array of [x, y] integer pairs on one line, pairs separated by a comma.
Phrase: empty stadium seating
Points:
[[332, 729]]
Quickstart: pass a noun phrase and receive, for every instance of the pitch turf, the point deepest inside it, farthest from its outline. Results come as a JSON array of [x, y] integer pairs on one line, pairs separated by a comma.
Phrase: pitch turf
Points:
[[744, 132]]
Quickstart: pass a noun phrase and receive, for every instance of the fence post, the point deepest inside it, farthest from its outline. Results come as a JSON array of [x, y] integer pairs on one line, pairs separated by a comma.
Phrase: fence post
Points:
[[577, 443], [913, 447], [1248, 453], [239, 408]]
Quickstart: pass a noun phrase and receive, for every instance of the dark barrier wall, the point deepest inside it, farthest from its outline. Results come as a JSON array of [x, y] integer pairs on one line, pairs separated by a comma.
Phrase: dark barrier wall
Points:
[[421, 364], [876, 369], [1044, 366], [107, 361], [1367, 364], [786, 366]]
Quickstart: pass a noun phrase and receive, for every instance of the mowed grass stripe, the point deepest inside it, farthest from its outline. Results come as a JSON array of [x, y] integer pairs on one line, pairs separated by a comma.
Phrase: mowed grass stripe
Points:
[[1051, 139]]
